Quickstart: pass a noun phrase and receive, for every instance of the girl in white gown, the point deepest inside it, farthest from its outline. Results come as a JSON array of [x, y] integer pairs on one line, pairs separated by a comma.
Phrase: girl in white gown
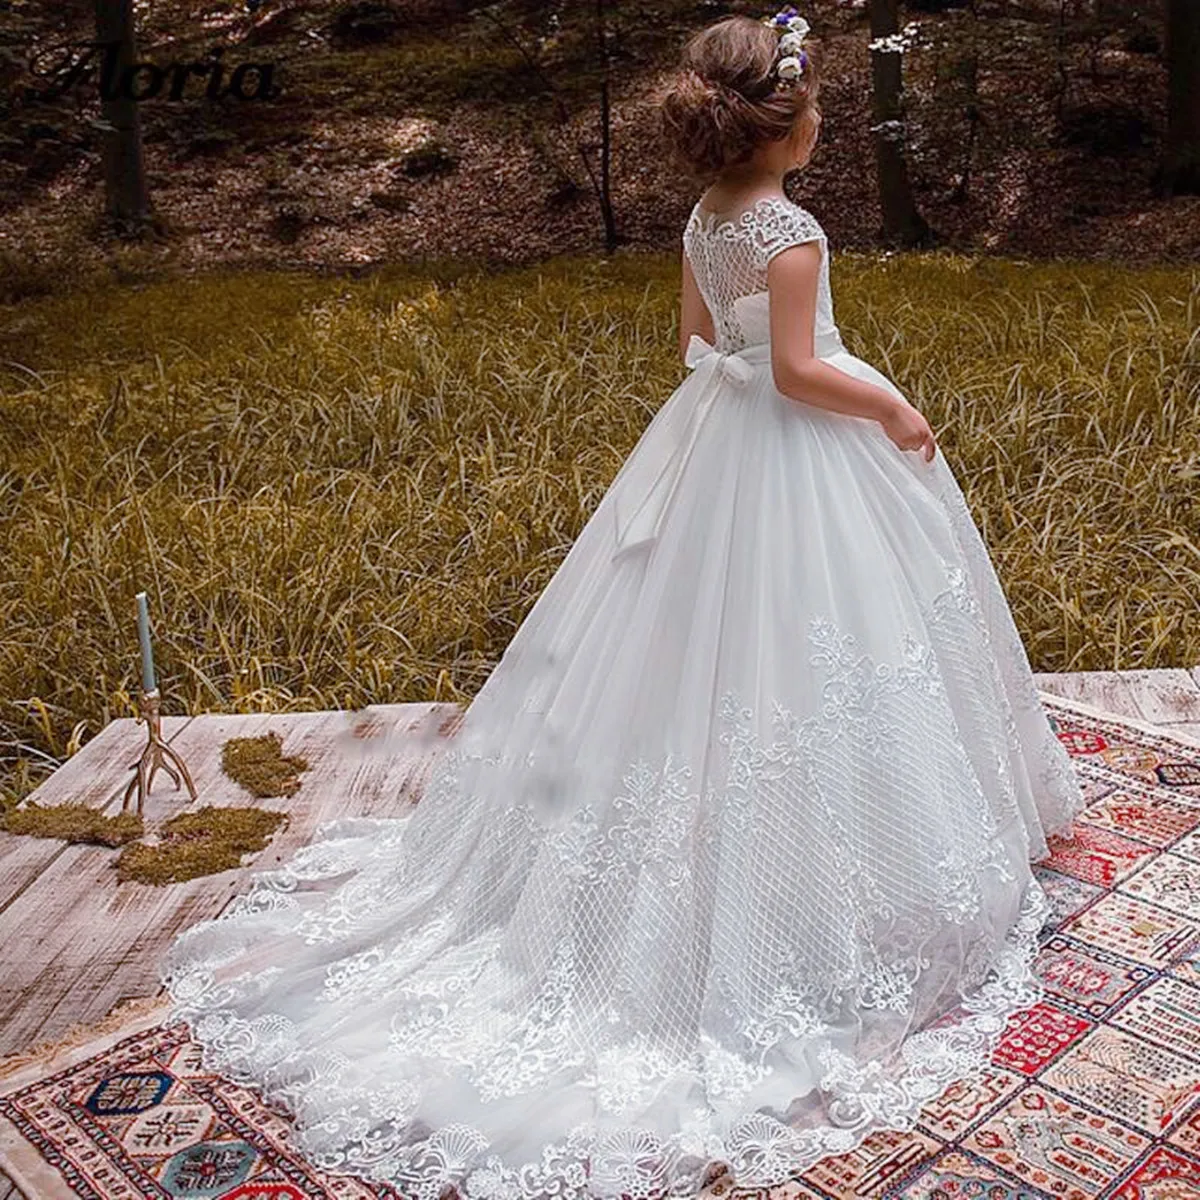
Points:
[[728, 864]]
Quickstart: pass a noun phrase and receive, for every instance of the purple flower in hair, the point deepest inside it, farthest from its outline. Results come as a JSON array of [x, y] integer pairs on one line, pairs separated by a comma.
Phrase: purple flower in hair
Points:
[[791, 61]]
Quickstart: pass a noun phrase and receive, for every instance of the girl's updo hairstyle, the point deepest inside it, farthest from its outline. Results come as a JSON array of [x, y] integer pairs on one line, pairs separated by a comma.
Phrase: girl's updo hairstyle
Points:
[[723, 101]]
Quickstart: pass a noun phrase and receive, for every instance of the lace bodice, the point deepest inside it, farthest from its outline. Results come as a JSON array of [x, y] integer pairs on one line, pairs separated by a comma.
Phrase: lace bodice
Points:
[[729, 258]]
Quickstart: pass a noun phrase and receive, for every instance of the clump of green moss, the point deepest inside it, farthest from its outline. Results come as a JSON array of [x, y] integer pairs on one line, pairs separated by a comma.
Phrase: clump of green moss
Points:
[[199, 843], [191, 844], [73, 823], [261, 767]]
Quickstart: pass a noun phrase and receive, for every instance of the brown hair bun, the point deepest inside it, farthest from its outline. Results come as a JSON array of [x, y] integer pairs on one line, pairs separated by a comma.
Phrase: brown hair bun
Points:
[[723, 101]]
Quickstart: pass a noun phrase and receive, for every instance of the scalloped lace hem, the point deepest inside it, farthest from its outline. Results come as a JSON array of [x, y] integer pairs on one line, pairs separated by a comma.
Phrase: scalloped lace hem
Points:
[[599, 1162]]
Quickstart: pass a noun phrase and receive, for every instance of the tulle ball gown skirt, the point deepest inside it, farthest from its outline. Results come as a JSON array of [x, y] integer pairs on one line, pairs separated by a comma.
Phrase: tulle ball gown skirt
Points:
[[728, 864]]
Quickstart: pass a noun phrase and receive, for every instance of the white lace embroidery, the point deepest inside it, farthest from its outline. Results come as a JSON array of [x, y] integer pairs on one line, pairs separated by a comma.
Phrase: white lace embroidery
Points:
[[729, 258], [414, 930]]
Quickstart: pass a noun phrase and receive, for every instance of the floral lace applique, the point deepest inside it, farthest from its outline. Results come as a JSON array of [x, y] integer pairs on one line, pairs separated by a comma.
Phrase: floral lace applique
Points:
[[660, 847]]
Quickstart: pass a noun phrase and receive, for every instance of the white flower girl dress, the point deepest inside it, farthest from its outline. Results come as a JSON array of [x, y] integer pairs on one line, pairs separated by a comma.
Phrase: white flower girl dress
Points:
[[729, 860]]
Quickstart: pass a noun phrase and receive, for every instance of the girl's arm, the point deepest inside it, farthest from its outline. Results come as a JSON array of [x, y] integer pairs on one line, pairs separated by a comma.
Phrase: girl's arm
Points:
[[792, 285], [694, 316]]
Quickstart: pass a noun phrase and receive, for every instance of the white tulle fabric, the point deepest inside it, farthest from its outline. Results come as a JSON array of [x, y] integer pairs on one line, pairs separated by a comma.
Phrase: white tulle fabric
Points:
[[729, 861]]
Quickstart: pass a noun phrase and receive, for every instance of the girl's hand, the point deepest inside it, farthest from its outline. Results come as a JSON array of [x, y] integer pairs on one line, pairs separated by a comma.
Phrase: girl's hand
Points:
[[908, 429]]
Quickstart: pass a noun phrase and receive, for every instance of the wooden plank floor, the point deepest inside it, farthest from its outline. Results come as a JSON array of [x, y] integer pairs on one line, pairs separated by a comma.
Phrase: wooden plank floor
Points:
[[76, 944]]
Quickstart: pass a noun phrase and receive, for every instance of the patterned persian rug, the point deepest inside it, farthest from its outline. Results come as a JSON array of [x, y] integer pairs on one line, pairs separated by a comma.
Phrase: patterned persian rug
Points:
[[1092, 1095]]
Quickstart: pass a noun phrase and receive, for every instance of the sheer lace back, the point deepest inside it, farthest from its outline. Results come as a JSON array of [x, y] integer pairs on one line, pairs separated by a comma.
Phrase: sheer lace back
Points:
[[729, 257]]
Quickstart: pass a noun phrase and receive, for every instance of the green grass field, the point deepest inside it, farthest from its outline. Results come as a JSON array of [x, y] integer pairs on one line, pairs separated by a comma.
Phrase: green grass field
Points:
[[344, 492]]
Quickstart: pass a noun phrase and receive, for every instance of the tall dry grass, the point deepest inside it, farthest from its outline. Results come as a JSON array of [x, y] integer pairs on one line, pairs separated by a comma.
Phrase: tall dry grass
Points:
[[340, 492]]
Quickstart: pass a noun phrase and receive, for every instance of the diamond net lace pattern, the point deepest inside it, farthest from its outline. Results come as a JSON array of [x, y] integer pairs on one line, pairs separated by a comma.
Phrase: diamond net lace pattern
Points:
[[729, 258], [726, 864]]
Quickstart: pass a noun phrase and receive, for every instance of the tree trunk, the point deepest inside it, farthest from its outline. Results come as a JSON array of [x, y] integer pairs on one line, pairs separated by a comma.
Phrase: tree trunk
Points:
[[903, 225], [1180, 171], [611, 237], [126, 200]]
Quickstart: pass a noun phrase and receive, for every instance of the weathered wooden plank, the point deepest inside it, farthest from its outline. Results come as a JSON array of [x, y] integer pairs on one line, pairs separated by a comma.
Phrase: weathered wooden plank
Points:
[[391, 748], [1165, 695], [90, 775], [68, 902], [96, 775], [80, 943], [1104, 689]]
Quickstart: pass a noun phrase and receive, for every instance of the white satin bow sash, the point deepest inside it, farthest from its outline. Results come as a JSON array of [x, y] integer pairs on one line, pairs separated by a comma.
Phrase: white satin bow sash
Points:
[[651, 476]]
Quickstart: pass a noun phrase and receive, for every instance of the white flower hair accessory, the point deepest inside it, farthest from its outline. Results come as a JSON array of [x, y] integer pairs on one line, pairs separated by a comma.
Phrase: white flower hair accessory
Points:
[[792, 59]]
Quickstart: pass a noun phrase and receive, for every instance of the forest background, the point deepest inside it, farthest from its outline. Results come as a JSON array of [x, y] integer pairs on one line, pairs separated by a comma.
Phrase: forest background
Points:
[[338, 376]]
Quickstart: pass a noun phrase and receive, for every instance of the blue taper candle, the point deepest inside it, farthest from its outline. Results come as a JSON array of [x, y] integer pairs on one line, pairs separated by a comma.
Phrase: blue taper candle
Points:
[[148, 684]]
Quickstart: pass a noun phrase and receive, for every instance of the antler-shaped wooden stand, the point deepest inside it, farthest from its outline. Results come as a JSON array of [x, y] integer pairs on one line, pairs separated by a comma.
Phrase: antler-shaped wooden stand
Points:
[[156, 754]]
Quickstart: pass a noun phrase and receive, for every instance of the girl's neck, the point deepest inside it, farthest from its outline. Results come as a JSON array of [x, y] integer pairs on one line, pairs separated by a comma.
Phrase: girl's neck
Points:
[[734, 187]]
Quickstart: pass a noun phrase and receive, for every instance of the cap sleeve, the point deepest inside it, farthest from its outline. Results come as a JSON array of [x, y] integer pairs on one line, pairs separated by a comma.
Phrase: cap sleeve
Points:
[[782, 224]]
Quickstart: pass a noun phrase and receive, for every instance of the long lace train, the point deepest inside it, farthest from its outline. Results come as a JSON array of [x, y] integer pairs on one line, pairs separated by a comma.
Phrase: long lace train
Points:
[[729, 862]]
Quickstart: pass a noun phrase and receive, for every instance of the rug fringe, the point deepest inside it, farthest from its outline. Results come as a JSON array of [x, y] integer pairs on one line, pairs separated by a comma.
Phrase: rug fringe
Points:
[[80, 1034], [1087, 709]]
